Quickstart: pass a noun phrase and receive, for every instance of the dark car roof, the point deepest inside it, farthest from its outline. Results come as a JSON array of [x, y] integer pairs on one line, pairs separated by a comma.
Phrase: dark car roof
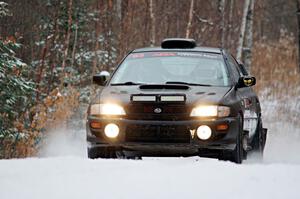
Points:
[[196, 49]]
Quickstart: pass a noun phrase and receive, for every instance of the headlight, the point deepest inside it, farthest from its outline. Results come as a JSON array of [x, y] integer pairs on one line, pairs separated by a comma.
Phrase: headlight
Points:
[[107, 109], [210, 111]]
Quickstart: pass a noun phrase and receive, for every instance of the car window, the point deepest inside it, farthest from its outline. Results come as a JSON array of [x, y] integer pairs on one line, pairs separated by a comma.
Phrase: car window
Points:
[[243, 70], [162, 67], [234, 68]]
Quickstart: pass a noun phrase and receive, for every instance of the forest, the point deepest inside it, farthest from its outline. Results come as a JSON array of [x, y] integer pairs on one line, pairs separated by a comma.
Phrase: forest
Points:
[[50, 49]]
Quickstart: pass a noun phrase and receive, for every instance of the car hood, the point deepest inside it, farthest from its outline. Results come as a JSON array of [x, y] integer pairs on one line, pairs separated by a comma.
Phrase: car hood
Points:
[[194, 94]]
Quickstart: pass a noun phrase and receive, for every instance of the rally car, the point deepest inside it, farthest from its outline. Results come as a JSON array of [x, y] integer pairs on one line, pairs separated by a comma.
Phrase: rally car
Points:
[[176, 100]]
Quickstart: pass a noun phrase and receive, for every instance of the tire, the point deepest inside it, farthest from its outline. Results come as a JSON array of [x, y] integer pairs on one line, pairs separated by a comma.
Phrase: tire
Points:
[[238, 153], [101, 152], [259, 140]]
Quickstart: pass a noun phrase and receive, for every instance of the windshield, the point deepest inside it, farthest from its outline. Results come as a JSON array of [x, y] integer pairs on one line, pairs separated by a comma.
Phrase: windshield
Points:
[[167, 67]]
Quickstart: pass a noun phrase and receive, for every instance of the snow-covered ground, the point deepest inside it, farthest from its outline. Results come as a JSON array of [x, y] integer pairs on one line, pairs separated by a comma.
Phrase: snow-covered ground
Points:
[[63, 171], [75, 177]]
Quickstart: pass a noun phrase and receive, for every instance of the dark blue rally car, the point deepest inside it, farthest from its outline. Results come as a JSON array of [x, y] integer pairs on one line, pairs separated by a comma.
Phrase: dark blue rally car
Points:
[[176, 100]]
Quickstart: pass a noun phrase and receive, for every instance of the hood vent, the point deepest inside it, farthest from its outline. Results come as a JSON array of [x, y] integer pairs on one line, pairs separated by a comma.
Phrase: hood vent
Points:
[[165, 86]]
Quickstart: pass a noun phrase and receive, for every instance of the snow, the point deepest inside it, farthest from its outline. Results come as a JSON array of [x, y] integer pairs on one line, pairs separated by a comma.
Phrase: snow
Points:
[[63, 171], [78, 177]]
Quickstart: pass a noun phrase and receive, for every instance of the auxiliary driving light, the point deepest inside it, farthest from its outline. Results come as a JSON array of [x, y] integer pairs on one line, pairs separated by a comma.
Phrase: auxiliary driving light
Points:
[[111, 130], [204, 132]]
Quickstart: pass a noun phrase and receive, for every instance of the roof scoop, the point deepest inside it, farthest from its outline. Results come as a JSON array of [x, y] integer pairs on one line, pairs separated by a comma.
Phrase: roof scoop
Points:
[[179, 43]]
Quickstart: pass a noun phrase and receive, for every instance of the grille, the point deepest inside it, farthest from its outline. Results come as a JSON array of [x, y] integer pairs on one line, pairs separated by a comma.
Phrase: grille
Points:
[[170, 112], [157, 134]]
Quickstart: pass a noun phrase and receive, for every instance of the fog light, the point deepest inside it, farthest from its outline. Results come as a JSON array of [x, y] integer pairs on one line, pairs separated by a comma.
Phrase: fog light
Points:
[[111, 130], [204, 132]]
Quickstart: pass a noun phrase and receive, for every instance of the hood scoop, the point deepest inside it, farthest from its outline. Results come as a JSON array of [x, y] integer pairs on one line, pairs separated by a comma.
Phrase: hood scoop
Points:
[[165, 86]]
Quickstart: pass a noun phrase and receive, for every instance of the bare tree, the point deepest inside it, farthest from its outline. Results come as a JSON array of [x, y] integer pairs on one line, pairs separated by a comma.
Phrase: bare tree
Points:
[[119, 9], [177, 5], [247, 50], [67, 38], [152, 19], [229, 25], [53, 58], [189, 25], [109, 29], [222, 4], [242, 30], [97, 34], [75, 44], [298, 28], [41, 69], [123, 29]]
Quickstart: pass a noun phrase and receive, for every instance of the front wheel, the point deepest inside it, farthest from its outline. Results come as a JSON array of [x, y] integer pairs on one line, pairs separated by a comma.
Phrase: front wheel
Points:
[[238, 153], [259, 139]]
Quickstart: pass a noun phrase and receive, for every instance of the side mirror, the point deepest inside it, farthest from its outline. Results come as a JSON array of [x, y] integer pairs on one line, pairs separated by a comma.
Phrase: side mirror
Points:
[[101, 78], [246, 81]]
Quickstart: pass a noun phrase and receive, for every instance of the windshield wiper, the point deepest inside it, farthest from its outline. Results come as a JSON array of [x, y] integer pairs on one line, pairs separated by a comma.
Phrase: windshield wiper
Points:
[[186, 83], [125, 84]]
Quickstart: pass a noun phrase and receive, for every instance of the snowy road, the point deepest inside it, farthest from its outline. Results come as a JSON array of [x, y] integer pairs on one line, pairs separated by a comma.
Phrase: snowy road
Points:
[[63, 171], [71, 177]]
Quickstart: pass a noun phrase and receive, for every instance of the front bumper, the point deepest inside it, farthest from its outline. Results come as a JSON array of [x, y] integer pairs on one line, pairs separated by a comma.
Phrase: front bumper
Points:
[[221, 140]]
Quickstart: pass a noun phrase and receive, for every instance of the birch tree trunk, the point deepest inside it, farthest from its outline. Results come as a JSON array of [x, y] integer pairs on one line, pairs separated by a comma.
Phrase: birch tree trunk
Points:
[[177, 3], [152, 19], [96, 47], [222, 4], [109, 21], [247, 50], [53, 57], [123, 29], [119, 9], [229, 25], [39, 75], [41, 70], [97, 34], [298, 29], [75, 44], [242, 30], [67, 39], [189, 25]]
